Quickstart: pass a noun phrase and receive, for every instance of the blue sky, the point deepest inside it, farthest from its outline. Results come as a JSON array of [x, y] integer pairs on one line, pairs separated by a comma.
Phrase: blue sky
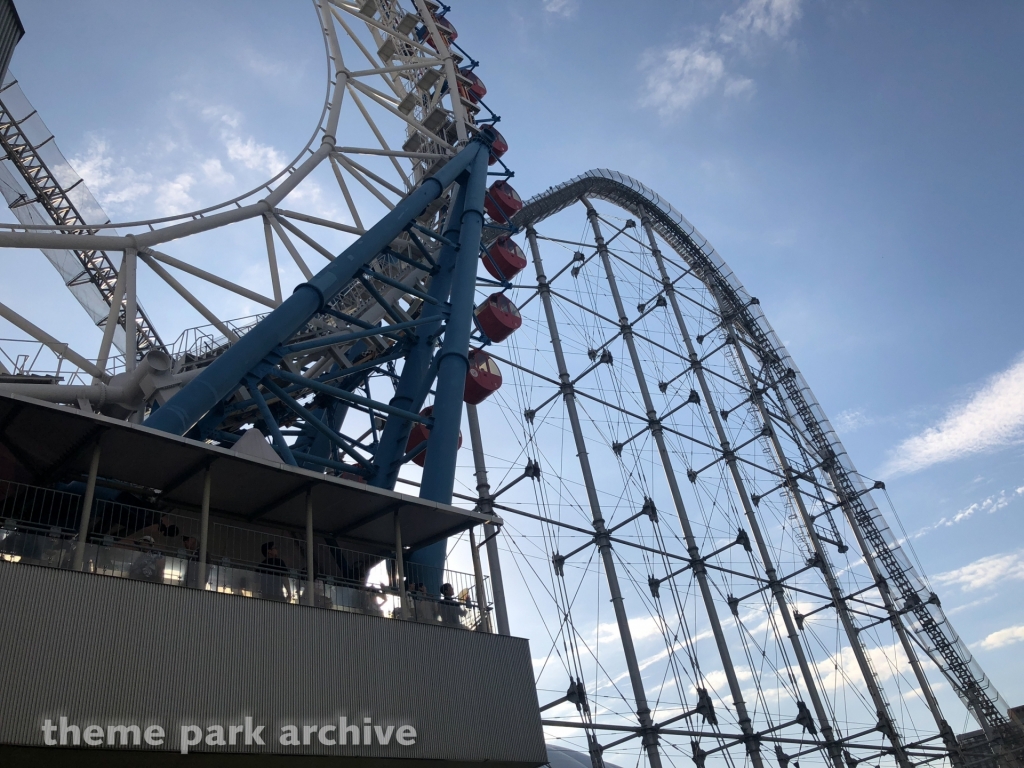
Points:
[[858, 165]]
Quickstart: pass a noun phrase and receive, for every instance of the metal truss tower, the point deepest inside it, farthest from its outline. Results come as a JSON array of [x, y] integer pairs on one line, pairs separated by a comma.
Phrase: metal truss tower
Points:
[[654, 444]]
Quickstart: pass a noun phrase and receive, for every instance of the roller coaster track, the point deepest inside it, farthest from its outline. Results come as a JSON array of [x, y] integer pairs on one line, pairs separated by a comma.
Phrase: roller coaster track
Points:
[[47, 191], [932, 629]]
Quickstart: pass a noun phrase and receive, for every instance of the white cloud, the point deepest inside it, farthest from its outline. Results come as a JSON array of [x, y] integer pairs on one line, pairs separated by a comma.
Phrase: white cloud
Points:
[[253, 155], [771, 18], [986, 572], [685, 76], [678, 78], [990, 504], [718, 681], [843, 668], [851, 420], [739, 87], [564, 8], [173, 197], [113, 184], [215, 172], [968, 606], [1002, 637], [992, 418]]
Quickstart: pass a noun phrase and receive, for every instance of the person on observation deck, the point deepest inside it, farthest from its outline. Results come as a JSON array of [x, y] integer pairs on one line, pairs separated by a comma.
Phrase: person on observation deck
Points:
[[450, 609], [189, 552], [148, 564], [273, 574]]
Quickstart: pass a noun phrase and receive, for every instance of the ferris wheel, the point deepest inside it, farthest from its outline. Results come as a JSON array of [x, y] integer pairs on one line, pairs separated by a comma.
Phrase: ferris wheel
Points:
[[631, 415]]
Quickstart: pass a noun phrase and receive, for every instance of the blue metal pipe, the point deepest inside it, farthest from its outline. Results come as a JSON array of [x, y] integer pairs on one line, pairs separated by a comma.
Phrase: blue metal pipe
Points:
[[283, 449], [312, 421], [223, 375], [453, 361], [344, 394], [453, 365], [416, 378], [341, 338]]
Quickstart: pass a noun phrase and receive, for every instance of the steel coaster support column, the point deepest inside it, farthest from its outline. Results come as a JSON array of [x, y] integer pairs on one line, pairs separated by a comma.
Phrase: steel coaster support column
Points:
[[222, 376], [945, 731], [886, 723], [486, 505], [413, 385], [78, 562], [824, 723], [310, 565], [794, 492], [643, 712], [743, 717]]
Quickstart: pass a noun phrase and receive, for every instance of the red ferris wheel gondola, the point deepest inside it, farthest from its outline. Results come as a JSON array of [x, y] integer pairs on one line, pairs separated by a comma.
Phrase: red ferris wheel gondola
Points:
[[502, 201], [476, 89], [419, 434], [483, 378], [498, 144], [498, 317], [504, 259]]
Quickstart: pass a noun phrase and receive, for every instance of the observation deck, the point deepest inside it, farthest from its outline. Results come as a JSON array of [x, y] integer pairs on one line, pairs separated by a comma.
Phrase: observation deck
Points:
[[152, 580]]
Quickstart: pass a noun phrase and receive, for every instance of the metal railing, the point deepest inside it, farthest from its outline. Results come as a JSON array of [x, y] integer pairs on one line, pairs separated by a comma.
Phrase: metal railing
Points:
[[39, 526]]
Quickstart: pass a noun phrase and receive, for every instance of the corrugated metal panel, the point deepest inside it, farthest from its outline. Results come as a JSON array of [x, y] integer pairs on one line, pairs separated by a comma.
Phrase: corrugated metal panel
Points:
[[11, 31], [105, 650]]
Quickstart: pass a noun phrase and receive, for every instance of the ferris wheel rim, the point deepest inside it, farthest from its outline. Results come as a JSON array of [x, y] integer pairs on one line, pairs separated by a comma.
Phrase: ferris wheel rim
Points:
[[200, 212]]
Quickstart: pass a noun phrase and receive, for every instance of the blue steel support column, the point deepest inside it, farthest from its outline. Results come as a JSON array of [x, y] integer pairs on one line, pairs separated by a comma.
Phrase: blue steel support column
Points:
[[413, 385], [453, 364], [224, 374]]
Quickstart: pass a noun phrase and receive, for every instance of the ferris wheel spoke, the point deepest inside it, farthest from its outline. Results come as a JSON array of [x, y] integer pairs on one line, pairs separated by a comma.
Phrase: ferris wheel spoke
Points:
[[420, 128], [211, 278], [275, 276], [303, 236], [349, 166], [321, 222], [353, 167], [383, 143], [59, 348], [290, 247], [187, 295], [419, 64], [352, 209]]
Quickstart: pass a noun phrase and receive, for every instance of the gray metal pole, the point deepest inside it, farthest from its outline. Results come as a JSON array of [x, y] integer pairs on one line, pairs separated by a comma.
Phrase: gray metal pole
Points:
[[825, 724], [852, 633], [478, 576], [130, 309], [310, 572], [112, 317], [486, 505], [204, 529], [400, 569], [743, 717], [78, 563], [643, 711]]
